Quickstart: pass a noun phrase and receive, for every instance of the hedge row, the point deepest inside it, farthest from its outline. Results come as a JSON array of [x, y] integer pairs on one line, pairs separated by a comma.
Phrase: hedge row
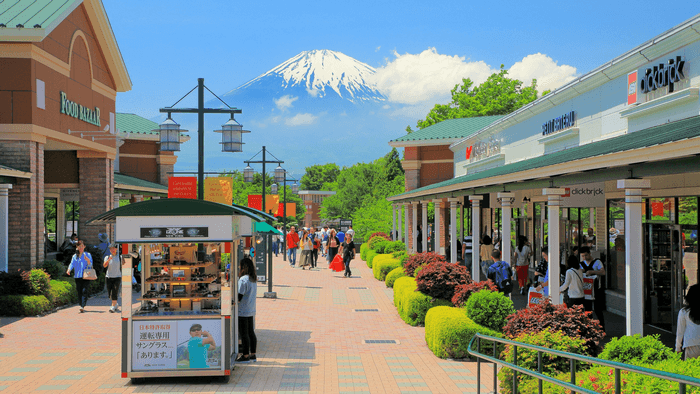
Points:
[[393, 275], [383, 264], [413, 305], [448, 332], [364, 248], [370, 257], [58, 293]]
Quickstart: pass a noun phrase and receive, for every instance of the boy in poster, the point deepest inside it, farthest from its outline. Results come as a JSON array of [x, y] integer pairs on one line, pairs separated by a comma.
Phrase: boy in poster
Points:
[[198, 346]]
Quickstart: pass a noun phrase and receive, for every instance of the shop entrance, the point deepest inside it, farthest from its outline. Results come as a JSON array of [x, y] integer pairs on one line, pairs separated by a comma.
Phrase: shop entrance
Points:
[[665, 283]]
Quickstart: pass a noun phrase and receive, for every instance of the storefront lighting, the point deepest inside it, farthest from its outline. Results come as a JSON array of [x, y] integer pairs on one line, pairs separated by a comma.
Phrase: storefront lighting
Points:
[[231, 136], [248, 174], [169, 135], [273, 188], [258, 239]]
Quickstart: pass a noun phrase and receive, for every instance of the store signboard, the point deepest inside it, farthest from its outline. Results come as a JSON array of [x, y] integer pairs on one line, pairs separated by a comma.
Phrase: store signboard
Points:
[[261, 259], [632, 88], [345, 225], [173, 344], [587, 195], [78, 111], [663, 75], [174, 232], [182, 187], [70, 195], [219, 189]]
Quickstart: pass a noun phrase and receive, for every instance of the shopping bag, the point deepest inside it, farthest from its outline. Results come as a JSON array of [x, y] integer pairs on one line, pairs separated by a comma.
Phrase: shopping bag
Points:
[[534, 297], [588, 286], [89, 274], [337, 264]]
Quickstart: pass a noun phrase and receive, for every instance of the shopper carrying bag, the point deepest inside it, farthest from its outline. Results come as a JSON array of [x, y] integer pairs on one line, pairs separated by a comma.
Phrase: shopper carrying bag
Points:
[[81, 262]]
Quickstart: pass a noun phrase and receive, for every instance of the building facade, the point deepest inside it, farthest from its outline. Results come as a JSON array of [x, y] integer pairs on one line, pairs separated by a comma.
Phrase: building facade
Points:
[[313, 200], [612, 157]]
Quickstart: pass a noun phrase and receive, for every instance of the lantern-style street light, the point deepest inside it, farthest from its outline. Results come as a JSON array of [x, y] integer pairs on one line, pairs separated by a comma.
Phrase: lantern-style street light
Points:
[[169, 135], [295, 189], [231, 136]]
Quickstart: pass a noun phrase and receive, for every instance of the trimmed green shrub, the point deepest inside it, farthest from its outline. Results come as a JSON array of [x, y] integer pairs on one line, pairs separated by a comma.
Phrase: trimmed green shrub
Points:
[[551, 365], [370, 256], [14, 283], [462, 292], [54, 268], [572, 321], [412, 305], [635, 349], [374, 241], [364, 248], [439, 279], [382, 267], [38, 282], [62, 293], [448, 332], [23, 305], [396, 246], [489, 309], [418, 260], [381, 247], [393, 275]]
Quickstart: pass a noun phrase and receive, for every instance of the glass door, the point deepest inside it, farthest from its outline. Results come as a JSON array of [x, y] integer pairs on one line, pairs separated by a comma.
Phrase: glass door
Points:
[[664, 275]]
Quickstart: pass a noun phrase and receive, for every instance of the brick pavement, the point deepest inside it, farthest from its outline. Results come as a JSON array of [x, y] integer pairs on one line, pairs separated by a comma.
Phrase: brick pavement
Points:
[[310, 339]]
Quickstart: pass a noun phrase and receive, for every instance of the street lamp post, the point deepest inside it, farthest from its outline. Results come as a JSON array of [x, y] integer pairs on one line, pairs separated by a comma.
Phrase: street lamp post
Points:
[[295, 188]]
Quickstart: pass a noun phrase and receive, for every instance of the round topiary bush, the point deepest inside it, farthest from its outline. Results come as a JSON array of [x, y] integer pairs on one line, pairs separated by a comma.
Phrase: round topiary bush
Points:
[[420, 259], [391, 277], [636, 350], [38, 281], [54, 268], [489, 309], [439, 279], [462, 292], [376, 240]]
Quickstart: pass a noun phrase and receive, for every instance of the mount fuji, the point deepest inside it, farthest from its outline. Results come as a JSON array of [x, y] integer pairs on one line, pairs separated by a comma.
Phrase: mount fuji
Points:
[[317, 107]]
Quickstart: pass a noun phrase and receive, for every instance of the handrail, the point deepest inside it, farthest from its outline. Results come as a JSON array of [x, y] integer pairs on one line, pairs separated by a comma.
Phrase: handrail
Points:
[[682, 380]]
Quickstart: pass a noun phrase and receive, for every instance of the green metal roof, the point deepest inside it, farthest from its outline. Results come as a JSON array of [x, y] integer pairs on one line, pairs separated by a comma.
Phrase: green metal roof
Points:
[[34, 13], [450, 128], [669, 132], [131, 123], [132, 181], [172, 207], [262, 227]]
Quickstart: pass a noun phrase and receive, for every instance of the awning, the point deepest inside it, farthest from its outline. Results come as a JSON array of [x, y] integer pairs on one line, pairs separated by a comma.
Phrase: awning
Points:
[[130, 184], [173, 207], [262, 227]]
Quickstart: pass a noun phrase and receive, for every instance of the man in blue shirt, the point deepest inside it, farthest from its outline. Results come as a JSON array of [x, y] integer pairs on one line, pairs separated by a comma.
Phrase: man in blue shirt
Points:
[[341, 236], [198, 346]]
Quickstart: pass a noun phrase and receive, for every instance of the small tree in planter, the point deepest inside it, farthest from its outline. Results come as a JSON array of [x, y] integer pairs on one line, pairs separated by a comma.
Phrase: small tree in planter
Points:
[[439, 279], [420, 259]]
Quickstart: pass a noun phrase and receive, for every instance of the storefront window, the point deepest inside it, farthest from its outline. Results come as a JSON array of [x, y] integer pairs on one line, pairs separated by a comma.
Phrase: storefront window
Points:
[[72, 210], [688, 220], [616, 245], [660, 210]]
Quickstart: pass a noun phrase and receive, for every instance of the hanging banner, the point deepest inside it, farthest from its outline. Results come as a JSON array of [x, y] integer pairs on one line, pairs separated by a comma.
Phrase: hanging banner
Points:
[[255, 201], [657, 209], [218, 189], [182, 187], [272, 203], [291, 209]]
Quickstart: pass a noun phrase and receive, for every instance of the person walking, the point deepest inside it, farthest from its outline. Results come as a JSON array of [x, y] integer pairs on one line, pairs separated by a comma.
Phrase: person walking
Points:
[[419, 241], [341, 235], [275, 244], [500, 273], [333, 244], [347, 249], [573, 282], [688, 331], [316, 239], [594, 269], [80, 262], [485, 251], [467, 250], [292, 245], [247, 293], [522, 262], [543, 265], [114, 275], [351, 232], [324, 240], [307, 246]]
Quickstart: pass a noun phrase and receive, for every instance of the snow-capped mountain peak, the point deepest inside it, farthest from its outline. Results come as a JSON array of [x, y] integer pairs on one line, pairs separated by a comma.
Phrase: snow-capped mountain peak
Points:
[[321, 72]]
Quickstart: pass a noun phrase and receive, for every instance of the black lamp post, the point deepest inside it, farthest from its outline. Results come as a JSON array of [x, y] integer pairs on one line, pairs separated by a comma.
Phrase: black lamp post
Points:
[[295, 189]]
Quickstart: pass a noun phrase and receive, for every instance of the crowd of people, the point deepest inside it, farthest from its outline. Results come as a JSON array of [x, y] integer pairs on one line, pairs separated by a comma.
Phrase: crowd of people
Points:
[[308, 243]]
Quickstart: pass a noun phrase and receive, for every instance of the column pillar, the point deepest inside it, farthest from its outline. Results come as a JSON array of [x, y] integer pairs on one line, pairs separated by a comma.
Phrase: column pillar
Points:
[[393, 222], [453, 229], [476, 239], [634, 265], [4, 225], [414, 226], [424, 219], [461, 224], [506, 200], [438, 232], [553, 203], [405, 212], [399, 228], [117, 197], [136, 198]]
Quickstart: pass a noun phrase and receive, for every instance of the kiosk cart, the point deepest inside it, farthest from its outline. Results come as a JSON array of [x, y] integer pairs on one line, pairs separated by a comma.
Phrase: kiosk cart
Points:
[[183, 323]]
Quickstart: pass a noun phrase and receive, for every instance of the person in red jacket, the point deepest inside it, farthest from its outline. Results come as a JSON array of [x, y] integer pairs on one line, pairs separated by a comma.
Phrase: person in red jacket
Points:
[[292, 245]]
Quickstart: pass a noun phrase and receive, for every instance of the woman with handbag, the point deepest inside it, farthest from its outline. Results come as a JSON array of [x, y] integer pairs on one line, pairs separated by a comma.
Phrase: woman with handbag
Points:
[[81, 265]]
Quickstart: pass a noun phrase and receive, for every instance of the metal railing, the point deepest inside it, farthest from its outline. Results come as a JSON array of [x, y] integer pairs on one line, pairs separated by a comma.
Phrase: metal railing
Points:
[[682, 380]]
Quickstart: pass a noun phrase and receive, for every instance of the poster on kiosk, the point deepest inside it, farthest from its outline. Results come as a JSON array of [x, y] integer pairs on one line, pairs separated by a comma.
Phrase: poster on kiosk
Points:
[[182, 321]]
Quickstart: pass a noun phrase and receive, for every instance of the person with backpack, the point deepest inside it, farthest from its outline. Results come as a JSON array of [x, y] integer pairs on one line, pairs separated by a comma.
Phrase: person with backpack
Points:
[[573, 282], [593, 269], [501, 273]]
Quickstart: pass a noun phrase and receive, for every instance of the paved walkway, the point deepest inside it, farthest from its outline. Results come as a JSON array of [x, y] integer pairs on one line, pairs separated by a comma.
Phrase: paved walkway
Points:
[[312, 338]]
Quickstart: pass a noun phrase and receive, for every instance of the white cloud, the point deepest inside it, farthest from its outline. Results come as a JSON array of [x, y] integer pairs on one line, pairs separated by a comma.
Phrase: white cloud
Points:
[[549, 75], [300, 120], [313, 92], [285, 102], [378, 48], [386, 106], [428, 77]]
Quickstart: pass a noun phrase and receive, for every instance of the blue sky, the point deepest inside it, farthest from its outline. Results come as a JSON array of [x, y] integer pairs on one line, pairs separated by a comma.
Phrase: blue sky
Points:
[[167, 45]]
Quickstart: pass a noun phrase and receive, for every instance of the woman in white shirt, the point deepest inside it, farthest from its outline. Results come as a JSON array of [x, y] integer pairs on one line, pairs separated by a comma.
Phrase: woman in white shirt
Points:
[[688, 332], [573, 282]]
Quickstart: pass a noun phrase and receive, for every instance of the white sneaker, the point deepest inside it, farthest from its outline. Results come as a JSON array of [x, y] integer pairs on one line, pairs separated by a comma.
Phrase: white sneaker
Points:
[[112, 309], [82, 309]]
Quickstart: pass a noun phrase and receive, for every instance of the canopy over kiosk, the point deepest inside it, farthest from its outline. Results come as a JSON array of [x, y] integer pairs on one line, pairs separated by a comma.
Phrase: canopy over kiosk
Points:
[[181, 324]]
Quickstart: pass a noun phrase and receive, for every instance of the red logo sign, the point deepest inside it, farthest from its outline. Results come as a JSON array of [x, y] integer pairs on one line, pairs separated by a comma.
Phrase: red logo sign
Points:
[[469, 152], [182, 187], [631, 88]]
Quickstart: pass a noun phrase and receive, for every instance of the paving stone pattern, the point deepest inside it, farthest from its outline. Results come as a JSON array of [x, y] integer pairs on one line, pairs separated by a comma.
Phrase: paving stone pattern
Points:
[[311, 339]]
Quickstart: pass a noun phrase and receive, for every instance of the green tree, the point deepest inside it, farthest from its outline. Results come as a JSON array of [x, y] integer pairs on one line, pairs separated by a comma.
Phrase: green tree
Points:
[[498, 95], [319, 175], [393, 165]]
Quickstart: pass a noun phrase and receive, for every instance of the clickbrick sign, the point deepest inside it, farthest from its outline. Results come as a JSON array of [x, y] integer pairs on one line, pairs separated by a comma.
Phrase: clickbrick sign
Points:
[[662, 75]]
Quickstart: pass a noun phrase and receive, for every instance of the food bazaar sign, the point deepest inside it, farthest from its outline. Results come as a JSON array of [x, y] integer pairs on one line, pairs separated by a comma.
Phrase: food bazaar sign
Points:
[[78, 111]]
